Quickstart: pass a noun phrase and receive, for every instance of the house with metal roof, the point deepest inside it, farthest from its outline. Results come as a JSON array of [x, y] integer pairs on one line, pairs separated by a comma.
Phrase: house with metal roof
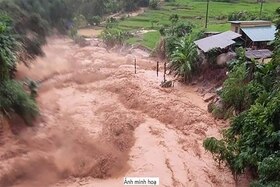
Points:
[[222, 41], [237, 25], [258, 37], [255, 34]]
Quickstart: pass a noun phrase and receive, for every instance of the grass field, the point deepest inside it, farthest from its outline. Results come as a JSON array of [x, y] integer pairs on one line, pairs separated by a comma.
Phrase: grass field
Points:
[[192, 11]]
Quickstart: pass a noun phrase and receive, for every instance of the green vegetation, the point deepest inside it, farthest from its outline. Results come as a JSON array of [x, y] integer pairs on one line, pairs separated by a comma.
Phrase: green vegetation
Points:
[[148, 40], [184, 58], [179, 48], [24, 26], [13, 98], [113, 36], [154, 4], [194, 12], [253, 140]]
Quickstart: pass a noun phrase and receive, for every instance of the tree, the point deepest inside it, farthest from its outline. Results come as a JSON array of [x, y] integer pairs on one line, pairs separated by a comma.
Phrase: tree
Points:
[[13, 98], [184, 58], [30, 29], [154, 4], [7, 45], [253, 139]]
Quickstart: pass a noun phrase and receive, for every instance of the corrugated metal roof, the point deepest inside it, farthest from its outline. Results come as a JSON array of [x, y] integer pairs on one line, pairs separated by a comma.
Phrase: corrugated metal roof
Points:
[[222, 40], [229, 34], [257, 54], [253, 21], [260, 34]]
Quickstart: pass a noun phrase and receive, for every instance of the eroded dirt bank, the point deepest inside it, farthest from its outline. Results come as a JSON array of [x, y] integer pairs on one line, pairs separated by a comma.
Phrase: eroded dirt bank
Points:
[[100, 122]]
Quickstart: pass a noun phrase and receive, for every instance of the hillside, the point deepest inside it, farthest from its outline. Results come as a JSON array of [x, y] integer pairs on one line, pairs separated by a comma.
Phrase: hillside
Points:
[[194, 12]]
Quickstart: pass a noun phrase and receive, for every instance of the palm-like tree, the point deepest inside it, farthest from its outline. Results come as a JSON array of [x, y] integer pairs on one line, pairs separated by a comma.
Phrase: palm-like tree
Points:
[[184, 57]]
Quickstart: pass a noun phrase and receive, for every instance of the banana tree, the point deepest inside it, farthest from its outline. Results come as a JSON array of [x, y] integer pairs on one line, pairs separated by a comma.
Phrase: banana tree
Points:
[[184, 58]]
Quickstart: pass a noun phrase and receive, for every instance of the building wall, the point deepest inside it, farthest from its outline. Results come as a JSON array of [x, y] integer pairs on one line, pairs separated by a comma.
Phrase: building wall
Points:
[[235, 28]]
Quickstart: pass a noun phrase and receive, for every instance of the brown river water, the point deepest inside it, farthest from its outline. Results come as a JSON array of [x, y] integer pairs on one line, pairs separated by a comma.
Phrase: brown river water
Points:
[[101, 122]]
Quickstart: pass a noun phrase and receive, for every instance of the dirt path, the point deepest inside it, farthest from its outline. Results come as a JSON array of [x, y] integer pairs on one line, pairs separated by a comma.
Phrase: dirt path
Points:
[[101, 122]]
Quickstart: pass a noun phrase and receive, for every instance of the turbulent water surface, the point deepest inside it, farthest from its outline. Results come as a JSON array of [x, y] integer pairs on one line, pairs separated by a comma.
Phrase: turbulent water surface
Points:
[[101, 122]]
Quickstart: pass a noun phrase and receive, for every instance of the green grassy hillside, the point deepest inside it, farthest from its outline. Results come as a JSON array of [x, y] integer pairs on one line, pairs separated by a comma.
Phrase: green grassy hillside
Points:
[[192, 11]]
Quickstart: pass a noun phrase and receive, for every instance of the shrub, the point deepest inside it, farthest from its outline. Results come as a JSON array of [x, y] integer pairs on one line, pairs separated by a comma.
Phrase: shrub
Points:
[[154, 4], [111, 22], [178, 29], [80, 21], [235, 90], [144, 3], [182, 29], [95, 20], [252, 141], [113, 36], [244, 16], [13, 98], [184, 58], [212, 55], [269, 169]]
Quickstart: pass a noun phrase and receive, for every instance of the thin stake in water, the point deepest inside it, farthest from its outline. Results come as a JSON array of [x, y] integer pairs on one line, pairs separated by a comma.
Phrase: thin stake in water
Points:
[[164, 78], [135, 64], [157, 68]]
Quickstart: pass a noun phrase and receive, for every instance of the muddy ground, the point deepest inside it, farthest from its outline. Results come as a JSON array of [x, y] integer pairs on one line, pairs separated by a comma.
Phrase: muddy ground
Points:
[[101, 122]]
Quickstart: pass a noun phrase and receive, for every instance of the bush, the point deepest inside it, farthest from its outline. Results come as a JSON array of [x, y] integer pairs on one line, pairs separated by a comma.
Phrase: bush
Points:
[[80, 21], [183, 59], [13, 98], [178, 29], [113, 36], [143, 3], [95, 20], [129, 5], [235, 90], [154, 4], [247, 16], [182, 29], [170, 44], [111, 22], [253, 140], [241, 16], [212, 55], [269, 169]]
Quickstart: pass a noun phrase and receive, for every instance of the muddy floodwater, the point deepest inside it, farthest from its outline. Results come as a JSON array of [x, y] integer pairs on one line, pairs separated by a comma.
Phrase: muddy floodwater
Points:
[[101, 122]]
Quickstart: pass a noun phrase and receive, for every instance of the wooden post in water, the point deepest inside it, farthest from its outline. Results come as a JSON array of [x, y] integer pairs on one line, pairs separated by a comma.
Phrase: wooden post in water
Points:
[[135, 64], [164, 78], [157, 68]]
